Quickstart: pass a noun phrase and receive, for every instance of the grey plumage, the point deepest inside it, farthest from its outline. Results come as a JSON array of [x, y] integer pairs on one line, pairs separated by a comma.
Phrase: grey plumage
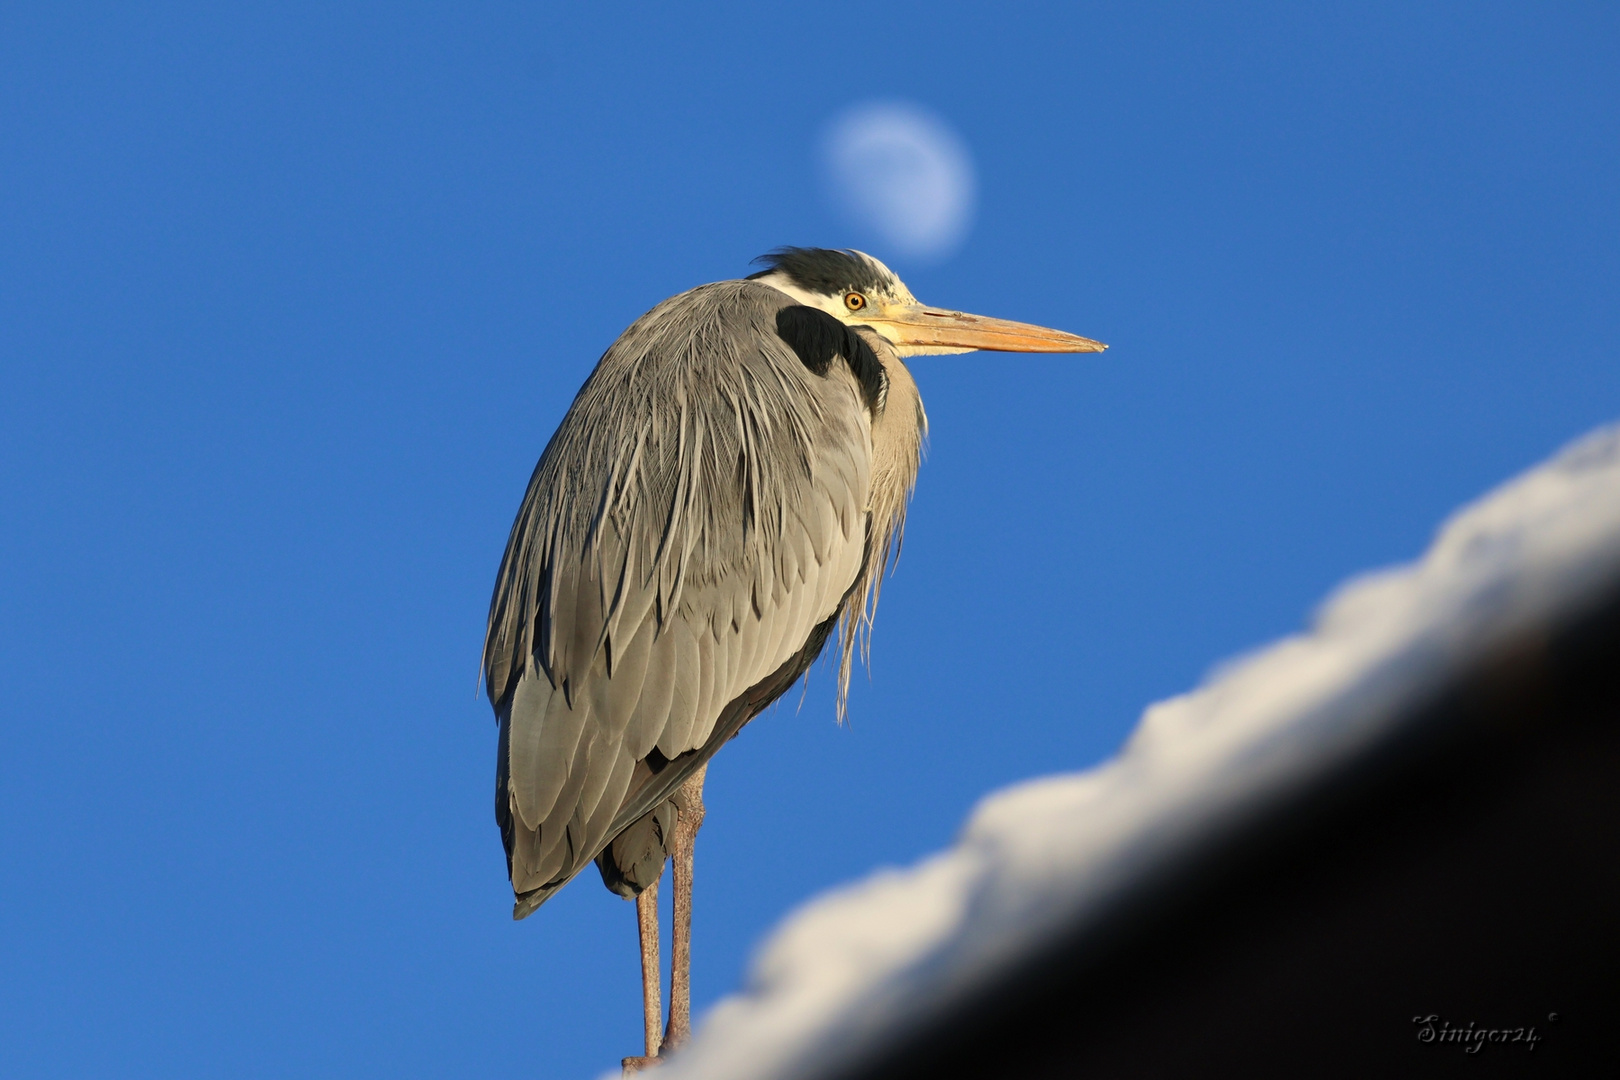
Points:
[[725, 489], [724, 494]]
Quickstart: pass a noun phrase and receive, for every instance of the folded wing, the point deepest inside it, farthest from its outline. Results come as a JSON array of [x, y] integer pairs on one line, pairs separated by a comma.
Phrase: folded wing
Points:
[[685, 546]]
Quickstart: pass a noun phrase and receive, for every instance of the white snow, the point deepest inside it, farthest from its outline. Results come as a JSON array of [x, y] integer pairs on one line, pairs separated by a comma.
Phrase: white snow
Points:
[[845, 971]]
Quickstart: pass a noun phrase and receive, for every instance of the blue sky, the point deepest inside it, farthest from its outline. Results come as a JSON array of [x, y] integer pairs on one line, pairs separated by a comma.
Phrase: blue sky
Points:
[[291, 298]]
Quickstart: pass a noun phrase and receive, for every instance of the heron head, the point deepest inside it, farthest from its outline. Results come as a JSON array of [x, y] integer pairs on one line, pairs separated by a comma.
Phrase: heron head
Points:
[[859, 290]]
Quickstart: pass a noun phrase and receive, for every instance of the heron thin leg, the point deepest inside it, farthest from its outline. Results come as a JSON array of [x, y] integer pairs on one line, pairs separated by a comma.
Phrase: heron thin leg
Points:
[[689, 807], [652, 995]]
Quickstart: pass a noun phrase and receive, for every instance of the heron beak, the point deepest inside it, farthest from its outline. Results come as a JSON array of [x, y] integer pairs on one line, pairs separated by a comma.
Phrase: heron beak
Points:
[[930, 328]]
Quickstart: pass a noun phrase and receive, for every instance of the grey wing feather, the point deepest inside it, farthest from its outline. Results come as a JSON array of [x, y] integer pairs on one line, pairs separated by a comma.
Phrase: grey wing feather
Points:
[[650, 720], [544, 735], [686, 668], [696, 520]]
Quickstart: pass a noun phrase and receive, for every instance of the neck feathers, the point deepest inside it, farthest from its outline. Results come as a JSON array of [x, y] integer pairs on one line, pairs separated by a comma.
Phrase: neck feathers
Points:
[[899, 428]]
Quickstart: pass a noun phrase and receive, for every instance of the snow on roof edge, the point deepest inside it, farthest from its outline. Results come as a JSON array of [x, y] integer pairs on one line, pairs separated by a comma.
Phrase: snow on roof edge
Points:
[[852, 967]]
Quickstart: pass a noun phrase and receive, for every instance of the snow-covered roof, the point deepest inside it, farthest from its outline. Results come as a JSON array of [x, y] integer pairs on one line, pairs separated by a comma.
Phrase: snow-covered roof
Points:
[[857, 967]]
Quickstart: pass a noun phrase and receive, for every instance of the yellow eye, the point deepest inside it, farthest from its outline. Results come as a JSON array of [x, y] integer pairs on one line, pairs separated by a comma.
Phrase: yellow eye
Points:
[[854, 301]]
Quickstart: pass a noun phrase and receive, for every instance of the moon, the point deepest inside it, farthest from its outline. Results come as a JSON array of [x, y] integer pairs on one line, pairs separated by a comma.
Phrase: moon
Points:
[[900, 171]]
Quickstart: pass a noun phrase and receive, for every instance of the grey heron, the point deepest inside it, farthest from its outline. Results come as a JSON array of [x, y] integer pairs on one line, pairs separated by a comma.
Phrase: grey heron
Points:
[[721, 500]]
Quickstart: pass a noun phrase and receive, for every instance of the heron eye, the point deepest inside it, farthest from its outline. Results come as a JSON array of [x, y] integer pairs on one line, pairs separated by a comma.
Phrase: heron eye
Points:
[[854, 301]]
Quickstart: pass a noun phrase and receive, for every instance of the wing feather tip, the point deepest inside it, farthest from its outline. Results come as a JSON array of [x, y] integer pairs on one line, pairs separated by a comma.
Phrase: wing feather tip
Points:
[[525, 904]]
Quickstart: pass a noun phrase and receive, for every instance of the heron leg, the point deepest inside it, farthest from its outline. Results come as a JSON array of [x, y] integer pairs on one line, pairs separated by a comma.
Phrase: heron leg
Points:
[[652, 995], [689, 806]]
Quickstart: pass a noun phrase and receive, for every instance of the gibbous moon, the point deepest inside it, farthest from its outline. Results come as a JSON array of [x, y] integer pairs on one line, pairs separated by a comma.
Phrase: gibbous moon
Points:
[[901, 171]]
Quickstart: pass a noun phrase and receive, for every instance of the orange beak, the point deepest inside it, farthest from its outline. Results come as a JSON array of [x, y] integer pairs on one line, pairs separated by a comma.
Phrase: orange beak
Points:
[[935, 328]]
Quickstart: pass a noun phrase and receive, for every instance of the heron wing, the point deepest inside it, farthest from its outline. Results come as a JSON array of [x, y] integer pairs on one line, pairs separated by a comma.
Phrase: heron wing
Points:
[[684, 548]]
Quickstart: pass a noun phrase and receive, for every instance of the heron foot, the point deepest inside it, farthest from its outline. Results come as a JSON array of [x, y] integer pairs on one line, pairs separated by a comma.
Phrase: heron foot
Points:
[[636, 1064]]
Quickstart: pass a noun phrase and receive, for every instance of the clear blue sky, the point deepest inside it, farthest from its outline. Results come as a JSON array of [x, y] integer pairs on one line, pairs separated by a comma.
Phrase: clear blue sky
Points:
[[291, 297]]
